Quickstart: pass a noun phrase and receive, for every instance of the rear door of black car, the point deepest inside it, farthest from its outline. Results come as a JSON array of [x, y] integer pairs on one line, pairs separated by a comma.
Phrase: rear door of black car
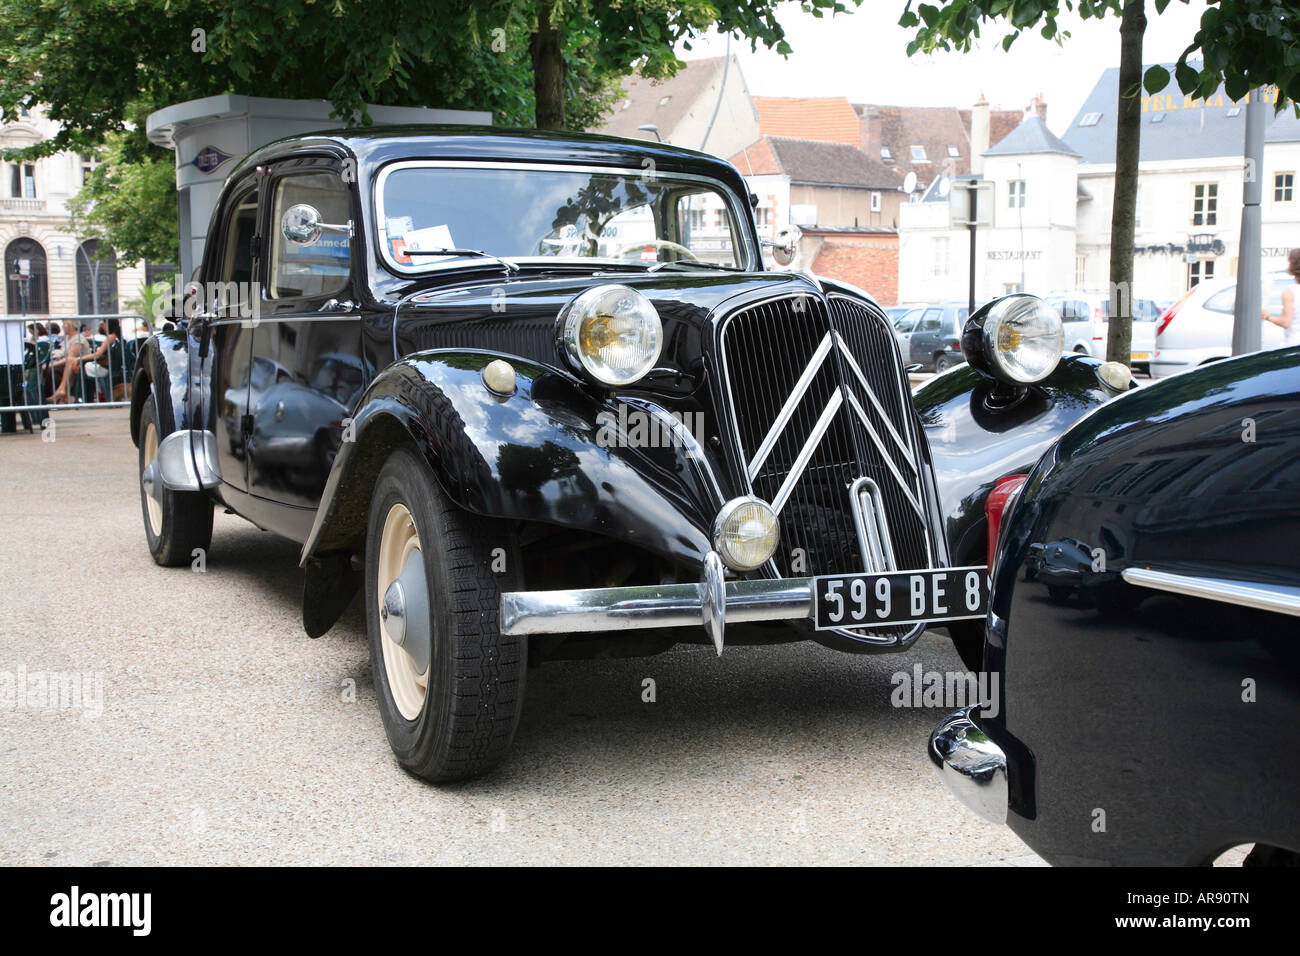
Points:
[[307, 339]]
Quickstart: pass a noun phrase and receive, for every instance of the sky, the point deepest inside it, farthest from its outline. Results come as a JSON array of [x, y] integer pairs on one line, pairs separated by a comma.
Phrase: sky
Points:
[[863, 55]]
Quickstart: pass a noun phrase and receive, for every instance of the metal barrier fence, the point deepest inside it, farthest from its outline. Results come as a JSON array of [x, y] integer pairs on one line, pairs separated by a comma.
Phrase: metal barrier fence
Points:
[[67, 361]]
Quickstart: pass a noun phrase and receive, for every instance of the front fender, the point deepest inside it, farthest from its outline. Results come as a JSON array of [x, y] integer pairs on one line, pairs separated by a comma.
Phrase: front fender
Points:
[[539, 454], [163, 371], [973, 443]]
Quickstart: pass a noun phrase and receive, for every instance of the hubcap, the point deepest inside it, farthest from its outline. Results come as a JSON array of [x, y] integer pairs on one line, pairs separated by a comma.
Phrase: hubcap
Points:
[[403, 612], [149, 481]]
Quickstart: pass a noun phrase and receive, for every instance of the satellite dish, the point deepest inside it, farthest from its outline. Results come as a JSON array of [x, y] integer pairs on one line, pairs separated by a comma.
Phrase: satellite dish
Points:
[[909, 183], [945, 186]]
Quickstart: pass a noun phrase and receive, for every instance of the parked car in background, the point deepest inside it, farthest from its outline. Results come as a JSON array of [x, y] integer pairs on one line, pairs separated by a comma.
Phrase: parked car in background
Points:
[[1198, 327], [497, 388], [1142, 631], [904, 324], [935, 341], [1086, 318]]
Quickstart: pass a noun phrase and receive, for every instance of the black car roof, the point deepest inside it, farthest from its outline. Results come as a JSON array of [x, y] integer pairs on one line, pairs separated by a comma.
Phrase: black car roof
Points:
[[375, 145]]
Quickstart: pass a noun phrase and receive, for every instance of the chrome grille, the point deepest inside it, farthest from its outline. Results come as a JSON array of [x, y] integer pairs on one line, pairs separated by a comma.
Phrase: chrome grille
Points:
[[820, 402]]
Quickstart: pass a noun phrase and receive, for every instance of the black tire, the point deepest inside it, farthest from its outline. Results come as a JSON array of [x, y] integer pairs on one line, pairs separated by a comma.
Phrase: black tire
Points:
[[186, 516], [944, 361], [475, 685]]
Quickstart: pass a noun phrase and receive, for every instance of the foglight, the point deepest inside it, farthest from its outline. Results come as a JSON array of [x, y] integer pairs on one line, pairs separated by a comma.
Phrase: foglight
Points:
[[745, 533]]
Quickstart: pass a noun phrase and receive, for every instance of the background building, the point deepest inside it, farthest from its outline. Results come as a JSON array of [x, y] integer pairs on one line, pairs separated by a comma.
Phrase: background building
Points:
[[48, 269]]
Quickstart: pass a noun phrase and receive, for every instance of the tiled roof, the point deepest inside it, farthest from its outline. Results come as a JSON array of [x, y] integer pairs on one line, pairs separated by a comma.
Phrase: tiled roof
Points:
[[828, 119], [1030, 137], [661, 102], [816, 163], [933, 128], [1188, 128]]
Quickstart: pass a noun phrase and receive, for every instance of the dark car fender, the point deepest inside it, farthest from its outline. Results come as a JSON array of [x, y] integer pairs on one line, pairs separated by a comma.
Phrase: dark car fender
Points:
[[163, 371], [974, 441], [534, 455], [1167, 711]]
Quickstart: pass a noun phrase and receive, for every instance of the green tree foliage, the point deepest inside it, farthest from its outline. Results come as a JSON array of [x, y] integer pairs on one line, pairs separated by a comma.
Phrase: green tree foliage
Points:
[[129, 201]]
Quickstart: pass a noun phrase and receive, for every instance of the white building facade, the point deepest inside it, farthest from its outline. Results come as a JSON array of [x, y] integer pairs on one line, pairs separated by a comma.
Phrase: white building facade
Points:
[[1053, 200], [48, 269]]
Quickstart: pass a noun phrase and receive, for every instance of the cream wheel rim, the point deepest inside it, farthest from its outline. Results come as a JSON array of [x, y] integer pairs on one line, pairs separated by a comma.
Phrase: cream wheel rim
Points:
[[152, 506], [398, 540]]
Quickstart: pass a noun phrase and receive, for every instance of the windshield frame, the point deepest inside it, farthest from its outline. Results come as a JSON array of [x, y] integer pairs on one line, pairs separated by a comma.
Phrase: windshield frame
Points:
[[739, 216]]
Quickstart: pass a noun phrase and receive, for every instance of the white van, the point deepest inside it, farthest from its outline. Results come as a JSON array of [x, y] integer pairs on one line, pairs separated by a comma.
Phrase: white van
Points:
[[1198, 327]]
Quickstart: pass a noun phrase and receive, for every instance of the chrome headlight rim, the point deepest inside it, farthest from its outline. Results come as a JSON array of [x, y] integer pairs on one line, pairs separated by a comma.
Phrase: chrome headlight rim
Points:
[[719, 526], [982, 331], [569, 325]]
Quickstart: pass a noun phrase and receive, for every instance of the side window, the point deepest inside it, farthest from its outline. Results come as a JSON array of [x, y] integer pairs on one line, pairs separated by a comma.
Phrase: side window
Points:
[[321, 267], [930, 320], [236, 263], [1223, 301]]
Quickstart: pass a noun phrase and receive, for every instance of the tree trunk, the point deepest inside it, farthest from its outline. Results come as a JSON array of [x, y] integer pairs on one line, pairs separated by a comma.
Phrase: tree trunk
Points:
[[1128, 140], [548, 71]]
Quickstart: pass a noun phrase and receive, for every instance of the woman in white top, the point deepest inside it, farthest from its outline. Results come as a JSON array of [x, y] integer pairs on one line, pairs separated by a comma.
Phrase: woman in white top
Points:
[[1287, 320]]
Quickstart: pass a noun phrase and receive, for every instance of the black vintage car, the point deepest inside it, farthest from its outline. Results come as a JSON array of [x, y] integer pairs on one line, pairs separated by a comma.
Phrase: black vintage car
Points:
[[536, 397], [1149, 720]]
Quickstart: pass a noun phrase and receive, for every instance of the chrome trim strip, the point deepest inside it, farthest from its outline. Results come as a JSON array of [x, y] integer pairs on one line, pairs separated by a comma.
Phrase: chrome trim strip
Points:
[[809, 448], [862, 379], [971, 765], [873, 528], [1264, 597], [888, 459], [791, 404], [739, 221]]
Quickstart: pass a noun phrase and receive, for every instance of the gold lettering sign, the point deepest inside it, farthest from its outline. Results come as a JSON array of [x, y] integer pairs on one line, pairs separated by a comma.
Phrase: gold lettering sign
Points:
[[1167, 101]]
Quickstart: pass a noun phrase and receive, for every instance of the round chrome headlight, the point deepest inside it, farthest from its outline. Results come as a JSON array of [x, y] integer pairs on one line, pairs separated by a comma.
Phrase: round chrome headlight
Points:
[[1018, 339], [745, 533], [611, 332]]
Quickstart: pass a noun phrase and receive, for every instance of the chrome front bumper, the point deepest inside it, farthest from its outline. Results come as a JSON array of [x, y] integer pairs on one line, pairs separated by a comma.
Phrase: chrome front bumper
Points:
[[713, 602], [972, 766]]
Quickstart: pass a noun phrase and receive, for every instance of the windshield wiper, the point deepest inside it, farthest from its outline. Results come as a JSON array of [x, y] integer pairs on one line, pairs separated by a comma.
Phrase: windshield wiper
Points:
[[692, 263], [475, 253]]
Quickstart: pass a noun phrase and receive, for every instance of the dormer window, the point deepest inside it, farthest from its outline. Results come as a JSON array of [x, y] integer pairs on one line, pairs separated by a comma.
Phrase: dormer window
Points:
[[954, 152], [918, 155], [885, 154], [1090, 119]]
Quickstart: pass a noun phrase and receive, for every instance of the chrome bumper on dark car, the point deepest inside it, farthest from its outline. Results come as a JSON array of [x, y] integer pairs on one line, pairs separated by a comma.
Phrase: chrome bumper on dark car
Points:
[[972, 766], [713, 602]]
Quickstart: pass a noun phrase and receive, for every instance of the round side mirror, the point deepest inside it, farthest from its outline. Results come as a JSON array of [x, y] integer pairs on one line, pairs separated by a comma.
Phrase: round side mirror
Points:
[[301, 224], [785, 249]]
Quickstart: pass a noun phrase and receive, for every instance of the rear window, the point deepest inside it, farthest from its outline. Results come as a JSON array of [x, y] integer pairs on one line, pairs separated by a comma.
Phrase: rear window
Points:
[[1225, 300]]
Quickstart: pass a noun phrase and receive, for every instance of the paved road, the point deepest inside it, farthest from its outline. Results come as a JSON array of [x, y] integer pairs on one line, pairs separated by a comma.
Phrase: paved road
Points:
[[227, 736]]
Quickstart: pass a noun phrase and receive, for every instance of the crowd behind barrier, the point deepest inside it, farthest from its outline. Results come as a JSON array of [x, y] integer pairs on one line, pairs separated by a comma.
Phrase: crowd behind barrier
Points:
[[51, 362]]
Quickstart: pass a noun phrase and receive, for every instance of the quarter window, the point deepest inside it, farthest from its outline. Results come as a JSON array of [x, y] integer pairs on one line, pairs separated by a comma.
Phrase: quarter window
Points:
[[321, 267], [1205, 204]]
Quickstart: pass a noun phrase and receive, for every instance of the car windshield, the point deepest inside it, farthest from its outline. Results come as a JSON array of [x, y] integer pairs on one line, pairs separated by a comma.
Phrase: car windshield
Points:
[[548, 214]]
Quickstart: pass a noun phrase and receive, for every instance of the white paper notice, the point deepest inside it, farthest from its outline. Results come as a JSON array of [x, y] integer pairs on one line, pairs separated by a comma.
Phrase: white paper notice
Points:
[[429, 240]]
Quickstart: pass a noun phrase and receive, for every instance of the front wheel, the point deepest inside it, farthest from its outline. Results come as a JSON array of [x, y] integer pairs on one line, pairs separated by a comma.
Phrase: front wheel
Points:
[[450, 685], [176, 523]]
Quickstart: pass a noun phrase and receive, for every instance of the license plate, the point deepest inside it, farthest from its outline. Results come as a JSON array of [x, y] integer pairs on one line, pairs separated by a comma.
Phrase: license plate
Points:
[[1139, 356], [900, 597]]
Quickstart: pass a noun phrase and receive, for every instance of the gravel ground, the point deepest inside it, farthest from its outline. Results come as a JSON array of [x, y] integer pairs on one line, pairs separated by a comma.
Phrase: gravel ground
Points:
[[226, 736]]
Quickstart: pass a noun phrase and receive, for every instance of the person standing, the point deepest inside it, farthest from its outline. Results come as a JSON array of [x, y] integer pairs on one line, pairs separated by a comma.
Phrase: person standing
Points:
[[12, 353], [1287, 320]]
